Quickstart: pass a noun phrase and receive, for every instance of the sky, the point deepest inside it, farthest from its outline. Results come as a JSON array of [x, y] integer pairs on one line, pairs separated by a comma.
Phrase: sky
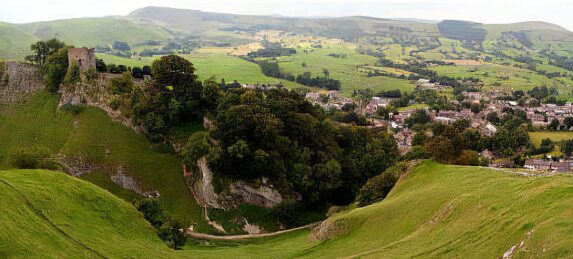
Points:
[[486, 11]]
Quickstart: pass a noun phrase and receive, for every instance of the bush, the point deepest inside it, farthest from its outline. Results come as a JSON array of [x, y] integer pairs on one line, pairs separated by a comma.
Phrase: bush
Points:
[[72, 75], [122, 84], [378, 187], [169, 230], [31, 158]]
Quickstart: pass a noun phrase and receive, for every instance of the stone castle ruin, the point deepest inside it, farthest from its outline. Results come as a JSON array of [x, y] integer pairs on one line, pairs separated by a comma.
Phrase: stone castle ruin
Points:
[[19, 81], [84, 57]]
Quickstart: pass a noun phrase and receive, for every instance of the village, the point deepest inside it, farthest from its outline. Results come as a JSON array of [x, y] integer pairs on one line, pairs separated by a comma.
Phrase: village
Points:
[[491, 101]]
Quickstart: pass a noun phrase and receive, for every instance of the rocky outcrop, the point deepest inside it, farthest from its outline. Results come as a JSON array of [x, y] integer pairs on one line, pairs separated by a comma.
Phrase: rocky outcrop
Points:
[[125, 182], [18, 81], [239, 192], [96, 94], [264, 196]]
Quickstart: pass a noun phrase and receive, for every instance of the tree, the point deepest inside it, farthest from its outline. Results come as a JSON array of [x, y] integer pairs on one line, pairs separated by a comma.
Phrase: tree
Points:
[[101, 67], [122, 84], [137, 72], [554, 124], [176, 75], [36, 157], [568, 122], [442, 149], [43, 49], [418, 117], [567, 147], [55, 69]]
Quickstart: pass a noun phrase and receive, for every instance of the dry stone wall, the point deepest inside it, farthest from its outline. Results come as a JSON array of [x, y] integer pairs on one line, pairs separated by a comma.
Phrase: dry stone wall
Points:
[[18, 81]]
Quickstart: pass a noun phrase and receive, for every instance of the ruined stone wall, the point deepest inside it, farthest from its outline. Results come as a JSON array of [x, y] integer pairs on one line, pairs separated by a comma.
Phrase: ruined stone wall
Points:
[[83, 57], [18, 81]]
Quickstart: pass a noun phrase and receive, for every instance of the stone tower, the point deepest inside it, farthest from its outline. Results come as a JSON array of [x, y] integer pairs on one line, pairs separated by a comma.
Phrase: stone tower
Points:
[[84, 57]]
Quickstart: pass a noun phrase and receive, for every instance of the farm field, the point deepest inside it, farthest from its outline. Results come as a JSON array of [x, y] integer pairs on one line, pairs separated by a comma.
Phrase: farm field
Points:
[[346, 68], [537, 137], [217, 63], [212, 62], [506, 77], [94, 137]]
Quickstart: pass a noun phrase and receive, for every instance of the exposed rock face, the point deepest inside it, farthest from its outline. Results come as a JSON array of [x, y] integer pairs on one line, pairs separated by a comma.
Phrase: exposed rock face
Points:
[[125, 182], [264, 196], [239, 192], [18, 81], [96, 94]]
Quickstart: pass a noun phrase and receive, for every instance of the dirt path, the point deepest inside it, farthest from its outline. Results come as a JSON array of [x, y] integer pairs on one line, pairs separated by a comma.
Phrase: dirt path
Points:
[[248, 236]]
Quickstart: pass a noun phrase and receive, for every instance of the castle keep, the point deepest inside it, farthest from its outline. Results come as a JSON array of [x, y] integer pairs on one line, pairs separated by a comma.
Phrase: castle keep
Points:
[[84, 57]]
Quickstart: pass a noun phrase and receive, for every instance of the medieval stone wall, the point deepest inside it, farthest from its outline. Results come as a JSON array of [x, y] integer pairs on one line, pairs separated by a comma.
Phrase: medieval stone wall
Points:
[[18, 81], [83, 57]]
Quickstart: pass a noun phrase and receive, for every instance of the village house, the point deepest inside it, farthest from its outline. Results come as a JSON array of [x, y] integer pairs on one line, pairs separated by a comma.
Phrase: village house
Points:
[[548, 165]]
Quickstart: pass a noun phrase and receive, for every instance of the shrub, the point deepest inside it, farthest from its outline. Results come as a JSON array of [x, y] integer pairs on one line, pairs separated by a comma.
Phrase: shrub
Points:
[[122, 84], [91, 75], [378, 187], [73, 74], [169, 230]]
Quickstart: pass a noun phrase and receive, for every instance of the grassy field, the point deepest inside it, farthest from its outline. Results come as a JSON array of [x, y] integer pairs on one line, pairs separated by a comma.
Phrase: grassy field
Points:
[[93, 136], [212, 62], [130, 62], [537, 137], [51, 215], [347, 69], [442, 211], [215, 62], [555, 136]]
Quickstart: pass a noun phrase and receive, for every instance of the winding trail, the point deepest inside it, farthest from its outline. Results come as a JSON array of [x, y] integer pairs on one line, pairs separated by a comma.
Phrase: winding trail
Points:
[[248, 236]]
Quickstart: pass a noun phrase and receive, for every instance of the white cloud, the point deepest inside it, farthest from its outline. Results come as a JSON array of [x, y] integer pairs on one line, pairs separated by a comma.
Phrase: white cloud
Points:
[[487, 11]]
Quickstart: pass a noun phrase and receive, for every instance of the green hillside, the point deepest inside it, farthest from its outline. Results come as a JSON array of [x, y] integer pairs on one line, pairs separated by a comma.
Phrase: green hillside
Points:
[[14, 43], [104, 144], [92, 32], [443, 211], [51, 215]]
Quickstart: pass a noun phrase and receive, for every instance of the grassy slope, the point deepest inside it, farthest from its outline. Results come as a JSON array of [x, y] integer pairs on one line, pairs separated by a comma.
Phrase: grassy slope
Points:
[[14, 43], [445, 211], [49, 214], [38, 123], [92, 32]]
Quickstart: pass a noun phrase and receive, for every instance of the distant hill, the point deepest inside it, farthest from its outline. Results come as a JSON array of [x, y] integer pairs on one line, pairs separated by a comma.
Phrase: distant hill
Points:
[[162, 23]]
